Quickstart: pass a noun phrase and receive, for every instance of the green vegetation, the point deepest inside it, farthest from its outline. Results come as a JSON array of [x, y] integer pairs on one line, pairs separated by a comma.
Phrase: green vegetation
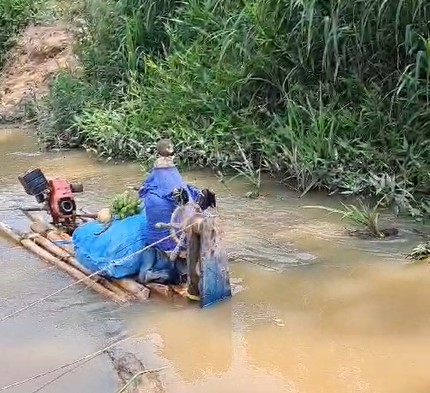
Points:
[[14, 15], [323, 94], [420, 252], [363, 216], [246, 169]]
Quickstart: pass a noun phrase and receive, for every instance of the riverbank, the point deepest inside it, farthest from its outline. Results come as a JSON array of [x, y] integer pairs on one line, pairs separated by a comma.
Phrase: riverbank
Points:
[[255, 90]]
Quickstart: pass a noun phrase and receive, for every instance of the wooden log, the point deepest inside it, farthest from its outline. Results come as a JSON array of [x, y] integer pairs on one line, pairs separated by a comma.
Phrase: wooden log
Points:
[[181, 290], [64, 256], [53, 249], [47, 256], [73, 272], [160, 289], [44, 254], [57, 237], [39, 228], [10, 233], [34, 218], [132, 287]]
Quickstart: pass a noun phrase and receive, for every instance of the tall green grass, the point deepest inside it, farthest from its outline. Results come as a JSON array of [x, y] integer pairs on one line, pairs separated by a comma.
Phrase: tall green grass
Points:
[[323, 93], [14, 15]]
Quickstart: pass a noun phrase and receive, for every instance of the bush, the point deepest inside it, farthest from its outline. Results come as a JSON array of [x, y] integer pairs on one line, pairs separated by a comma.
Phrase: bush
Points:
[[59, 111], [14, 15], [328, 95]]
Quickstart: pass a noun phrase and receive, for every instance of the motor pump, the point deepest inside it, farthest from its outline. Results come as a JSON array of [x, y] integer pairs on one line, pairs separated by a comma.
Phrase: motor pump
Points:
[[57, 195]]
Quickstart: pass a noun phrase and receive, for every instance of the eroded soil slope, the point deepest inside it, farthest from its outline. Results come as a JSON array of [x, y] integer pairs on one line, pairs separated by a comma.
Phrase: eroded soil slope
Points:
[[39, 53]]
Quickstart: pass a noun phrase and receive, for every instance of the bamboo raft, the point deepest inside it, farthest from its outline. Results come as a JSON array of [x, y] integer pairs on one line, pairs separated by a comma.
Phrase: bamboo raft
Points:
[[54, 247]]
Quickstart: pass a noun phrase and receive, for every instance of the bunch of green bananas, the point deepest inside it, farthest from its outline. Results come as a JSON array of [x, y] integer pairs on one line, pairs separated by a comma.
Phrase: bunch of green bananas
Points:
[[125, 205]]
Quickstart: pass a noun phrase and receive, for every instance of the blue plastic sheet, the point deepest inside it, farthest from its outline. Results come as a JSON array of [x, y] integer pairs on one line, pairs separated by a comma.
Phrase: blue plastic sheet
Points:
[[214, 284], [116, 251], [156, 195], [156, 267]]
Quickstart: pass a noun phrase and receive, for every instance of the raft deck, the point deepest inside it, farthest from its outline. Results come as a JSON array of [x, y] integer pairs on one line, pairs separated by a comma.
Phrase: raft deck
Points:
[[54, 247]]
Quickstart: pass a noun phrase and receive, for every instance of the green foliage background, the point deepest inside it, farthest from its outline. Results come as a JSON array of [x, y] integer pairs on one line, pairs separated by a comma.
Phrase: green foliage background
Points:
[[327, 94], [14, 15]]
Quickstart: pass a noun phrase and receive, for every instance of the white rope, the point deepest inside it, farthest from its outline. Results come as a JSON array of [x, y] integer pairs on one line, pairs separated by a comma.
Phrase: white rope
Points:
[[80, 360], [137, 375], [116, 262]]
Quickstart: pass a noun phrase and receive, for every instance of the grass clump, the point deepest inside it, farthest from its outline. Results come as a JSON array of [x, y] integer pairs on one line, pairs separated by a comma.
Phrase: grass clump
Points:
[[248, 171], [14, 16], [362, 216], [323, 94], [420, 252]]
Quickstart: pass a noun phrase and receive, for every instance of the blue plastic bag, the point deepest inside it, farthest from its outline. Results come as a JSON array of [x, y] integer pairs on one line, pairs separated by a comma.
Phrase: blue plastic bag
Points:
[[116, 251]]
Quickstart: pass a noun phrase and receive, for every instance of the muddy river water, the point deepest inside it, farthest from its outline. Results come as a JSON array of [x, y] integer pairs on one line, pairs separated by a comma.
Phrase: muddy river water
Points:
[[315, 311]]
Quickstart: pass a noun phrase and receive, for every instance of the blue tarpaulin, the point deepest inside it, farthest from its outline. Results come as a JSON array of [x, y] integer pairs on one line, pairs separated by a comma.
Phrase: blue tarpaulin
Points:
[[159, 204], [116, 250]]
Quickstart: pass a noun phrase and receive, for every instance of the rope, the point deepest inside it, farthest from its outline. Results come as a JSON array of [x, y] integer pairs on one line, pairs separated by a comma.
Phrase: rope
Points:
[[140, 373], [39, 389], [28, 306], [51, 381], [80, 360]]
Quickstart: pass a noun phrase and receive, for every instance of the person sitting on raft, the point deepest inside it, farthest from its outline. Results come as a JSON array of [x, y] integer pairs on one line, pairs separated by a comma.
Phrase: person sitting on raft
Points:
[[161, 193]]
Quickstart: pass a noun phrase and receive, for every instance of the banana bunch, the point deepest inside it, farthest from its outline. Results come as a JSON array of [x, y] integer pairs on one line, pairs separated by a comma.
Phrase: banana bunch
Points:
[[125, 205]]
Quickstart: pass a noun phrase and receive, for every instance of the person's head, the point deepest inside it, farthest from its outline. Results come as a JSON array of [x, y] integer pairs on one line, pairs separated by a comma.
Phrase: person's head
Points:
[[165, 148]]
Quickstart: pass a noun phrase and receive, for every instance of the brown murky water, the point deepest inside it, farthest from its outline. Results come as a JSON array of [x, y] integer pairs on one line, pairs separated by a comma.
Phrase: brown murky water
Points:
[[316, 311]]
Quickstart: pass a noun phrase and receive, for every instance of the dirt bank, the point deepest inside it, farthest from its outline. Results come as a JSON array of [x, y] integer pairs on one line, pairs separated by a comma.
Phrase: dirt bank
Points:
[[39, 53]]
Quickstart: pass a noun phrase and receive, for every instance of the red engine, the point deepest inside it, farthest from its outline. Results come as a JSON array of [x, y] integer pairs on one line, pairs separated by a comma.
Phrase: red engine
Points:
[[57, 196], [61, 203]]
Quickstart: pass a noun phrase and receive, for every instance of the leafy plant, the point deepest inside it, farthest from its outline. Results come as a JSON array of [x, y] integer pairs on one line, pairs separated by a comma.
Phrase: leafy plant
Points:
[[420, 252], [246, 169], [364, 216]]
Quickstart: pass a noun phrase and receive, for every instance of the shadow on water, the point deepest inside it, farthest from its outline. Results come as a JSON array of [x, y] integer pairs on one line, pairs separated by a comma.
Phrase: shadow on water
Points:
[[315, 311]]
